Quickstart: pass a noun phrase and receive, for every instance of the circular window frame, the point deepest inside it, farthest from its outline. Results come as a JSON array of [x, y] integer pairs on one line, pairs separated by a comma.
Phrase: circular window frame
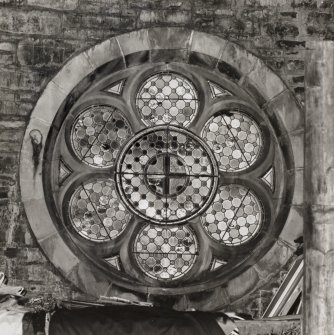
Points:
[[62, 91], [182, 131]]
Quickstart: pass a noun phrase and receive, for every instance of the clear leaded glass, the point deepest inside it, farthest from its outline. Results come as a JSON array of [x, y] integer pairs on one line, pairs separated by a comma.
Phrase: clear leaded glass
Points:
[[167, 175], [234, 217], [235, 139], [96, 212], [165, 253], [97, 135], [167, 97]]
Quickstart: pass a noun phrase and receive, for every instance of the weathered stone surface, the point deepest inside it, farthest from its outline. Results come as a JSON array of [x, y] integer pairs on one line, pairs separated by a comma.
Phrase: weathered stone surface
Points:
[[298, 197], [73, 72], [134, 42], [211, 46], [63, 4], [37, 37], [274, 260], [169, 38], [40, 223], [59, 253], [284, 109], [242, 285], [7, 163], [318, 296], [270, 326], [104, 52], [209, 300], [86, 279], [149, 17], [269, 85], [297, 143], [295, 227], [30, 22]]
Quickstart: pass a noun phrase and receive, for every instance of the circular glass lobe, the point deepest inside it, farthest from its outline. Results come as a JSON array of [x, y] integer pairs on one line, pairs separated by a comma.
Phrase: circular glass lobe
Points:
[[235, 139], [234, 217], [97, 135], [165, 253], [96, 212], [169, 98], [167, 175]]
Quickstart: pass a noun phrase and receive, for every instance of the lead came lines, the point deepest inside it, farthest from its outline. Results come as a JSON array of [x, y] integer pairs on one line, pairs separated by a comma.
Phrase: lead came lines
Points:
[[167, 176], [158, 174], [165, 253], [229, 129], [167, 97]]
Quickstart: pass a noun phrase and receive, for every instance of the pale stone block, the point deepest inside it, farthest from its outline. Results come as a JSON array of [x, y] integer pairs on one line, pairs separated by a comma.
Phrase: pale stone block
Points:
[[298, 198], [242, 284], [89, 279], [285, 108], [266, 81], [60, 255], [65, 4], [49, 102], [274, 259], [293, 227], [30, 183], [6, 46], [207, 44], [241, 59], [169, 38], [297, 144], [39, 219], [104, 52], [134, 42], [73, 72], [30, 173]]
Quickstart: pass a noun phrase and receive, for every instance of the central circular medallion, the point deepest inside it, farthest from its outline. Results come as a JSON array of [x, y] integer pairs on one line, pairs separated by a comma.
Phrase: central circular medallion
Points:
[[167, 175]]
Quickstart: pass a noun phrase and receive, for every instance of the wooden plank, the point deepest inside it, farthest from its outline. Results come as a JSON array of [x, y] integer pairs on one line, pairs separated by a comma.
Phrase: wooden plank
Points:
[[288, 291]]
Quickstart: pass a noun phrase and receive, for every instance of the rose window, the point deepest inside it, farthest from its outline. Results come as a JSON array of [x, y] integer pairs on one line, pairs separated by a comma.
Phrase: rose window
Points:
[[165, 174]]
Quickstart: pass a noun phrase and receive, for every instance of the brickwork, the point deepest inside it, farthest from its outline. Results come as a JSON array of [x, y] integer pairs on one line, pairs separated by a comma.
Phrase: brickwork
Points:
[[37, 36]]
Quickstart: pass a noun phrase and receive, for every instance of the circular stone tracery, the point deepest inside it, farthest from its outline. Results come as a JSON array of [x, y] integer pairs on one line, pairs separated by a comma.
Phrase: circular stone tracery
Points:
[[165, 253], [235, 139], [234, 217], [98, 134], [167, 175], [167, 97], [96, 212]]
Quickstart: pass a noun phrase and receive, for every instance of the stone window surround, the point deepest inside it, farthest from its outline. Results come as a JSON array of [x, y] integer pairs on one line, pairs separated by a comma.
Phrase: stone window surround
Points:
[[274, 97]]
